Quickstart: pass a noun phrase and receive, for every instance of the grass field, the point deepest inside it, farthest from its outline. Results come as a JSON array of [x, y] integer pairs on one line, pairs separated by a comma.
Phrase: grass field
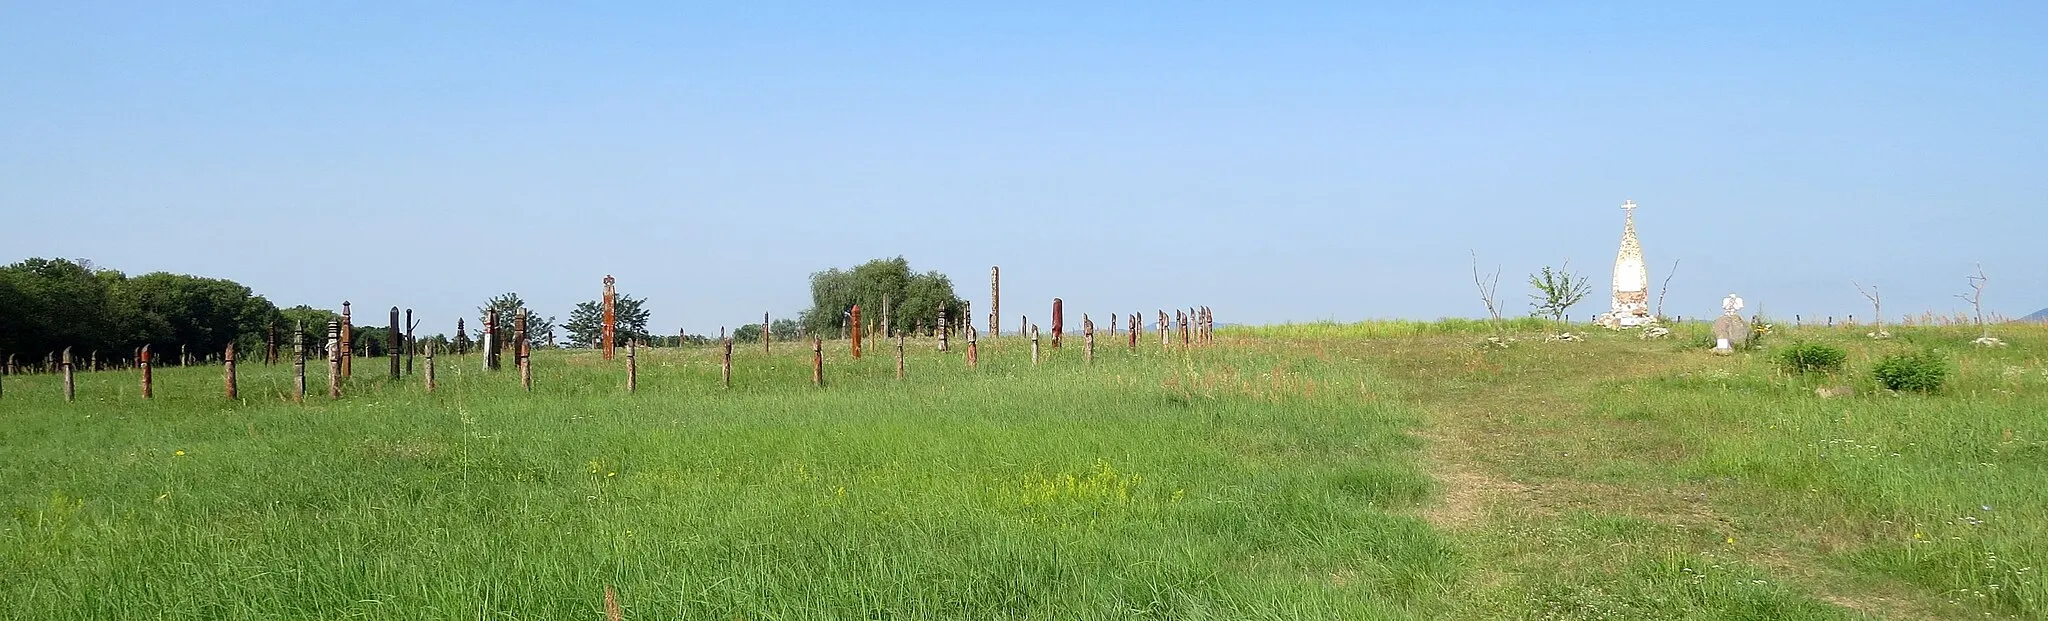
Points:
[[1387, 470]]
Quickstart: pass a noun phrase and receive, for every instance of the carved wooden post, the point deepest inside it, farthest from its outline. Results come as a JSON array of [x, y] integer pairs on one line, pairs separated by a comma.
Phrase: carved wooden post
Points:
[[391, 343], [943, 328], [334, 360], [228, 373], [885, 319], [899, 355], [411, 345], [1059, 324], [1112, 325], [973, 349], [430, 366], [817, 361], [610, 319], [995, 301], [632, 366], [725, 367], [142, 359], [1088, 336], [764, 332], [490, 343], [461, 338], [348, 342], [270, 346], [70, 389], [11, 368], [1165, 332], [519, 350], [184, 358], [856, 332], [1136, 328], [299, 363], [1034, 345], [94, 363], [1183, 319]]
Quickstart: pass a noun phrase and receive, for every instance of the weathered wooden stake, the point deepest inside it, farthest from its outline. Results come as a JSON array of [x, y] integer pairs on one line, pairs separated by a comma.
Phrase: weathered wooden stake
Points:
[[995, 301], [725, 367], [270, 346], [817, 361], [1059, 323], [334, 360], [1112, 325], [392, 343], [348, 342], [1034, 345], [764, 332], [431, 345], [461, 339], [299, 363], [610, 319], [1088, 337], [885, 319], [184, 357], [70, 389], [856, 331], [899, 355], [519, 352], [142, 359], [1183, 319], [973, 349], [95, 361], [943, 329], [632, 366], [228, 373]]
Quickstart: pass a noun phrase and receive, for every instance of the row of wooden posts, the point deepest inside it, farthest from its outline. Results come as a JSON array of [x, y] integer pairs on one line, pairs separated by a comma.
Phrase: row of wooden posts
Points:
[[1194, 327]]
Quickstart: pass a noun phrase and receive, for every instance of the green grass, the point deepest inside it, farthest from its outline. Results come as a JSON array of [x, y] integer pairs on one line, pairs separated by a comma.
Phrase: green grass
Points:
[[1379, 470]]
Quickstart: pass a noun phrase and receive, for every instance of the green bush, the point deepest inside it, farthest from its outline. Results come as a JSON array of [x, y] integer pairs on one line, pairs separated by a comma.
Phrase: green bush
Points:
[[1805, 358], [1921, 371]]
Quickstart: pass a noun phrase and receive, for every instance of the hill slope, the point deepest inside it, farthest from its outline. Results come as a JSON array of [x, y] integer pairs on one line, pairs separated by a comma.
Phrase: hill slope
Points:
[[2039, 315]]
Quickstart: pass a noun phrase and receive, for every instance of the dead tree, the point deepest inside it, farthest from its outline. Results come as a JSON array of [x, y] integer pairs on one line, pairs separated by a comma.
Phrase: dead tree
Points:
[[1489, 292], [1876, 304], [1976, 297]]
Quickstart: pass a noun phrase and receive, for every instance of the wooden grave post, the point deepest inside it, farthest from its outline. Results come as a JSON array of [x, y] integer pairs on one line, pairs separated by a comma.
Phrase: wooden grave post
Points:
[[764, 333], [228, 374], [270, 346], [1165, 332], [610, 316], [885, 319], [431, 345], [1059, 323], [899, 355], [856, 332], [995, 301], [142, 360], [461, 338], [973, 349], [392, 343], [1137, 327], [348, 342], [299, 363], [70, 389], [490, 343], [334, 356], [411, 345], [632, 366], [1088, 337], [943, 329], [817, 361], [1034, 345], [725, 367], [519, 350]]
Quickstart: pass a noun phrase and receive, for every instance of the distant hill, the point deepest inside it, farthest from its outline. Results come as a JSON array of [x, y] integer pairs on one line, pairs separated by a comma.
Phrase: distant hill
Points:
[[2040, 316]]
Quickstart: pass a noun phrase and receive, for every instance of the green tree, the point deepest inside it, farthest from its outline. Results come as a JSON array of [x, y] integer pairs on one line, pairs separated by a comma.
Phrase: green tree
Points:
[[914, 299], [508, 306], [1557, 290], [586, 322], [49, 304]]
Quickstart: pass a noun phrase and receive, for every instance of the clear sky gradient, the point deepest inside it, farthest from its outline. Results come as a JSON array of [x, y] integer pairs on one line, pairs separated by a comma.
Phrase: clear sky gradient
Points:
[[1277, 161]]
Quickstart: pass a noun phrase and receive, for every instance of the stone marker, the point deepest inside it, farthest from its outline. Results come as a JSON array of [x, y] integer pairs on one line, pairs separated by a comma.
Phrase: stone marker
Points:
[[1730, 327]]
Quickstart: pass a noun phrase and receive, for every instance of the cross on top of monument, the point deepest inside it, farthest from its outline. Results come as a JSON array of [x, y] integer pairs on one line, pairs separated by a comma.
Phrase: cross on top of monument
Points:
[[1628, 205]]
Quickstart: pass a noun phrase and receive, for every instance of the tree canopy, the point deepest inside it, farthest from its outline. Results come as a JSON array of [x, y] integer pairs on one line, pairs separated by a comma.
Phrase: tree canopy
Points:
[[49, 304], [914, 299]]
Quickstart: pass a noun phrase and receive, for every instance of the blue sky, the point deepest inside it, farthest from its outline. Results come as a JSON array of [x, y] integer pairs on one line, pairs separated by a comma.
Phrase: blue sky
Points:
[[1295, 162]]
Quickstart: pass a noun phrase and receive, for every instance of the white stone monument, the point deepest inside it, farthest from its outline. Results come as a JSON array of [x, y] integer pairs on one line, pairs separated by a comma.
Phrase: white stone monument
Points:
[[1631, 279], [1730, 325]]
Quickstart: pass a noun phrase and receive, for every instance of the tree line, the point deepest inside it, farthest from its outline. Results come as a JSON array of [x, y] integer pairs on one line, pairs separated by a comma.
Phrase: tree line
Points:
[[48, 304]]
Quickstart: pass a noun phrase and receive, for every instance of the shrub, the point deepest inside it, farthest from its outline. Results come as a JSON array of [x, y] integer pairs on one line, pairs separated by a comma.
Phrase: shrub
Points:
[[1921, 371], [1812, 358]]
